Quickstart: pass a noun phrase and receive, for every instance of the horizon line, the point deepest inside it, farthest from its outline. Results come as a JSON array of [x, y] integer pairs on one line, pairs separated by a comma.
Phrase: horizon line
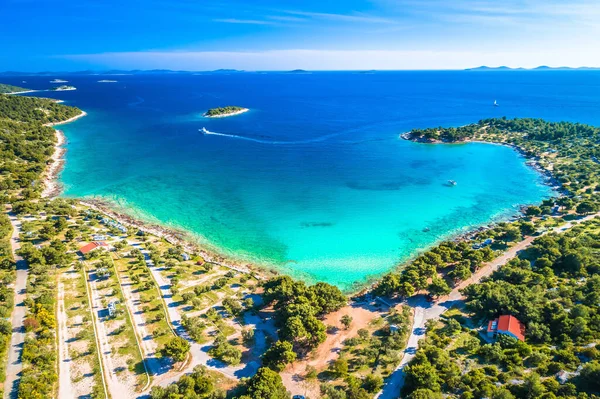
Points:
[[480, 68]]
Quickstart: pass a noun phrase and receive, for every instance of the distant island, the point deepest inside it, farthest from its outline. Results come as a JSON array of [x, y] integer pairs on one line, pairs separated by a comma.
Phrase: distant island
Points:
[[223, 112], [63, 88], [107, 81], [58, 81], [539, 68]]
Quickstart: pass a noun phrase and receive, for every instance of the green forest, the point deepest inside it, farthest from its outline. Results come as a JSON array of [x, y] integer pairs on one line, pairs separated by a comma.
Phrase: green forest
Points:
[[230, 109], [554, 288], [4, 88]]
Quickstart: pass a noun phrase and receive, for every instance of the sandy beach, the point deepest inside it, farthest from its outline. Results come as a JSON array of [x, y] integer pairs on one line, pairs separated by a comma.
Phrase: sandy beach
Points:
[[50, 181], [81, 115], [23, 92], [228, 115]]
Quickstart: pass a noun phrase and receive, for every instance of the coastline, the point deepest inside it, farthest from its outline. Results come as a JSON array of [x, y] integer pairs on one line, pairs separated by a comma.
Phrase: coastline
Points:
[[50, 182], [184, 239], [549, 178], [228, 115], [52, 186], [23, 92], [81, 115], [174, 237]]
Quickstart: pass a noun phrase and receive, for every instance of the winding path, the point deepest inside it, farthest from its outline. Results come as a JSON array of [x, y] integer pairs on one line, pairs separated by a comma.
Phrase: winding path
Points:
[[14, 365], [425, 311]]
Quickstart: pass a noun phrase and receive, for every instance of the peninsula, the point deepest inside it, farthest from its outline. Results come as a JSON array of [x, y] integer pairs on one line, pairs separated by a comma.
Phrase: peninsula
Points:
[[223, 112], [8, 89]]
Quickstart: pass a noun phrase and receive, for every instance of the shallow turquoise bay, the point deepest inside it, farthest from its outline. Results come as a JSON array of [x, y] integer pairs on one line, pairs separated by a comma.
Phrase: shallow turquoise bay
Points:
[[315, 180]]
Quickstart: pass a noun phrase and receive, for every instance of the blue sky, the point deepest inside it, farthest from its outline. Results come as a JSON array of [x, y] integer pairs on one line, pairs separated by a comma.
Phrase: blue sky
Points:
[[288, 34]]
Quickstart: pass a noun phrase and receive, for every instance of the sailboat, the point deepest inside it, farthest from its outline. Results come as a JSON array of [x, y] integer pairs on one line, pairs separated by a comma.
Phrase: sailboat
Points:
[[496, 104]]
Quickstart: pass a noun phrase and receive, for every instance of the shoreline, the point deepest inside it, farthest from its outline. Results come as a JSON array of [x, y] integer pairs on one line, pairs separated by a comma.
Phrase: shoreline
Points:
[[50, 182], [548, 177], [23, 92], [227, 115], [52, 186], [174, 237], [81, 115], [182, 237]]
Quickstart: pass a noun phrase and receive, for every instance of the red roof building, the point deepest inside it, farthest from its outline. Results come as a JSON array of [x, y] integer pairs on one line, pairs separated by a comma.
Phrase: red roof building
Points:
[[507, 325], [92, 246]]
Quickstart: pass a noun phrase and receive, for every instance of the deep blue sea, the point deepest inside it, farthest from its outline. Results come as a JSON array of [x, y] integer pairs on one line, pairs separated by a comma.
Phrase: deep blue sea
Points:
[[314, 180]]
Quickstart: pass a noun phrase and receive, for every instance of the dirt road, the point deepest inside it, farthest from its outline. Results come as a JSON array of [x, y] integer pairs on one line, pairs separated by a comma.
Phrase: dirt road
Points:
[[15, 350]]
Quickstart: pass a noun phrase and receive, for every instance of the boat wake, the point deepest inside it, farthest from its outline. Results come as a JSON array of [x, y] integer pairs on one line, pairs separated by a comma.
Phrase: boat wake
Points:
[[271, 142]]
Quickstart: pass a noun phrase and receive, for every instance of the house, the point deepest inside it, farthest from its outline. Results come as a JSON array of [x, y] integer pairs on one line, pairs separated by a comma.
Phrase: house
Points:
[[92, 246], [98, 237], [507, 325], [185, 256]]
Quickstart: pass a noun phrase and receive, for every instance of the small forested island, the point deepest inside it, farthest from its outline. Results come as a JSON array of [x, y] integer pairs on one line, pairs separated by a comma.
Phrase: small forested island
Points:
[[11, 89], [63, 88], [222, 112]]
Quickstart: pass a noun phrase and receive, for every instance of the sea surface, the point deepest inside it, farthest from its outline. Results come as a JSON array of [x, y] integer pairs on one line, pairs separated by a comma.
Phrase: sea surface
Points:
[[314, 180]]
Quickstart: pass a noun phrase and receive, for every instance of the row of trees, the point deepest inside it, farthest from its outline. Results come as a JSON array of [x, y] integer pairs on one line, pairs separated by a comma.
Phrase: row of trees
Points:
[[459, 260]]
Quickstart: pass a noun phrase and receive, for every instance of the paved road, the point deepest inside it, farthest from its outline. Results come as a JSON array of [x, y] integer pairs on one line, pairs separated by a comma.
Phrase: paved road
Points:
[[425, 311], [14, 365]]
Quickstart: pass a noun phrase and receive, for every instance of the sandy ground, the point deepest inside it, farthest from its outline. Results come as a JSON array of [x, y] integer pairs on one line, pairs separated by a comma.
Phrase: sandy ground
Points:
[[362, 314], [65, 386], [76, 376], [147, 345], [120, 384], [14, 364], [50, 180]]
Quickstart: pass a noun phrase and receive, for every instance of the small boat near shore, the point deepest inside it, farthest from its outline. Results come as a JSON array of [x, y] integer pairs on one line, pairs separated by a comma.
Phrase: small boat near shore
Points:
[[203, 130]]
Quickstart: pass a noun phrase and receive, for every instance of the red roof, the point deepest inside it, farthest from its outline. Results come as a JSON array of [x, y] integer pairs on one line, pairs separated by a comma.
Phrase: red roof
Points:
[[91, 246], [507, 324]]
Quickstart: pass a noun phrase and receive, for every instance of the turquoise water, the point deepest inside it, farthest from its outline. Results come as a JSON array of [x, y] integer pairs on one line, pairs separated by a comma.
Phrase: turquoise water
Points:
[[314, 180]]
